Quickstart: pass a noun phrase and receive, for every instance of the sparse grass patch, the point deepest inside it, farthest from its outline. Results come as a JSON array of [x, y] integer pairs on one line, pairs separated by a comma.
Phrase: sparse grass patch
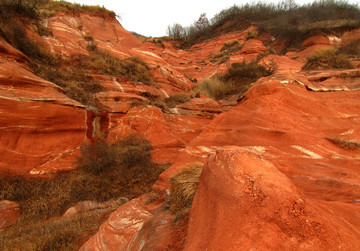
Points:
[[252, 34], [106, 171], [177, 99], [236, 80], [328, 59], [132, 68], [230, 44], [229, 48], [163, 103], [50, 8], [345, 144], [56, 234], [77, 83]]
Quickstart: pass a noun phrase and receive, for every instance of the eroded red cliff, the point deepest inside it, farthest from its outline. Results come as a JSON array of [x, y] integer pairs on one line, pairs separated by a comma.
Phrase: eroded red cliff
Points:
[[275, 177]]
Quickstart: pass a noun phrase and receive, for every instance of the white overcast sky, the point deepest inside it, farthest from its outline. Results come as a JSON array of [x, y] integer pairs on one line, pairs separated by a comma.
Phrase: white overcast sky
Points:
[[151, 18]]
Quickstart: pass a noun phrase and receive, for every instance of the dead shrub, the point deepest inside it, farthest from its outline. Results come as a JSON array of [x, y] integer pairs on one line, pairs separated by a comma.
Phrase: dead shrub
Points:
[[106, 171], [214, 88], [252, 34]]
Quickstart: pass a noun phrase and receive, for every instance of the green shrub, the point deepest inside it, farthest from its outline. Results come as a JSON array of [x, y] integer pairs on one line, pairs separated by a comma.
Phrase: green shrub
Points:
[[328, 59]]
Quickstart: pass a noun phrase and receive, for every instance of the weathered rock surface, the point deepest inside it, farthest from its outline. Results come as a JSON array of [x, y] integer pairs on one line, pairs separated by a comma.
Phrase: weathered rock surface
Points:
[[89, 205], [41, 129], [121, 227], [9, 213], [244, 202]]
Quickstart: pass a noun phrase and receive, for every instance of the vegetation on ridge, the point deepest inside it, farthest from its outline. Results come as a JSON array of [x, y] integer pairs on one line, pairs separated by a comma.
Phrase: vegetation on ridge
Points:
[[47, 8], [287, 20], [72, 74]]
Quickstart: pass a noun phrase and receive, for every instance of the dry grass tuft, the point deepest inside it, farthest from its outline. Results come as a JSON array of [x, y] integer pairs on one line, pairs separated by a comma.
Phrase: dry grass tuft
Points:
[[215, 88], [328, 59], [183, 187], [177, 99], [56, 234], [230, 44], [236, 80], [345, 144]]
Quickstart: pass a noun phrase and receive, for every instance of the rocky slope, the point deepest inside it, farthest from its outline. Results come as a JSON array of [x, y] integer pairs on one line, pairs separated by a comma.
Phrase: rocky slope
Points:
[[276, 174]]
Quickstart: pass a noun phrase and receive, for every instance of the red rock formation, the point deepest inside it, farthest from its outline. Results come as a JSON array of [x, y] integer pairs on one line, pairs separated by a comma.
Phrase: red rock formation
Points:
[[244, 202], [121, 227], [274, 178], [285, 176], [84, 206], [41, 129]]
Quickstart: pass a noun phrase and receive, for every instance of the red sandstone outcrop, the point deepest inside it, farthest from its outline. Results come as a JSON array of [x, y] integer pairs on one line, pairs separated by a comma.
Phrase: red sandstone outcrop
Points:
[[272, 162], [282, 176], [40, 128], [123, 224], [244, 202]]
